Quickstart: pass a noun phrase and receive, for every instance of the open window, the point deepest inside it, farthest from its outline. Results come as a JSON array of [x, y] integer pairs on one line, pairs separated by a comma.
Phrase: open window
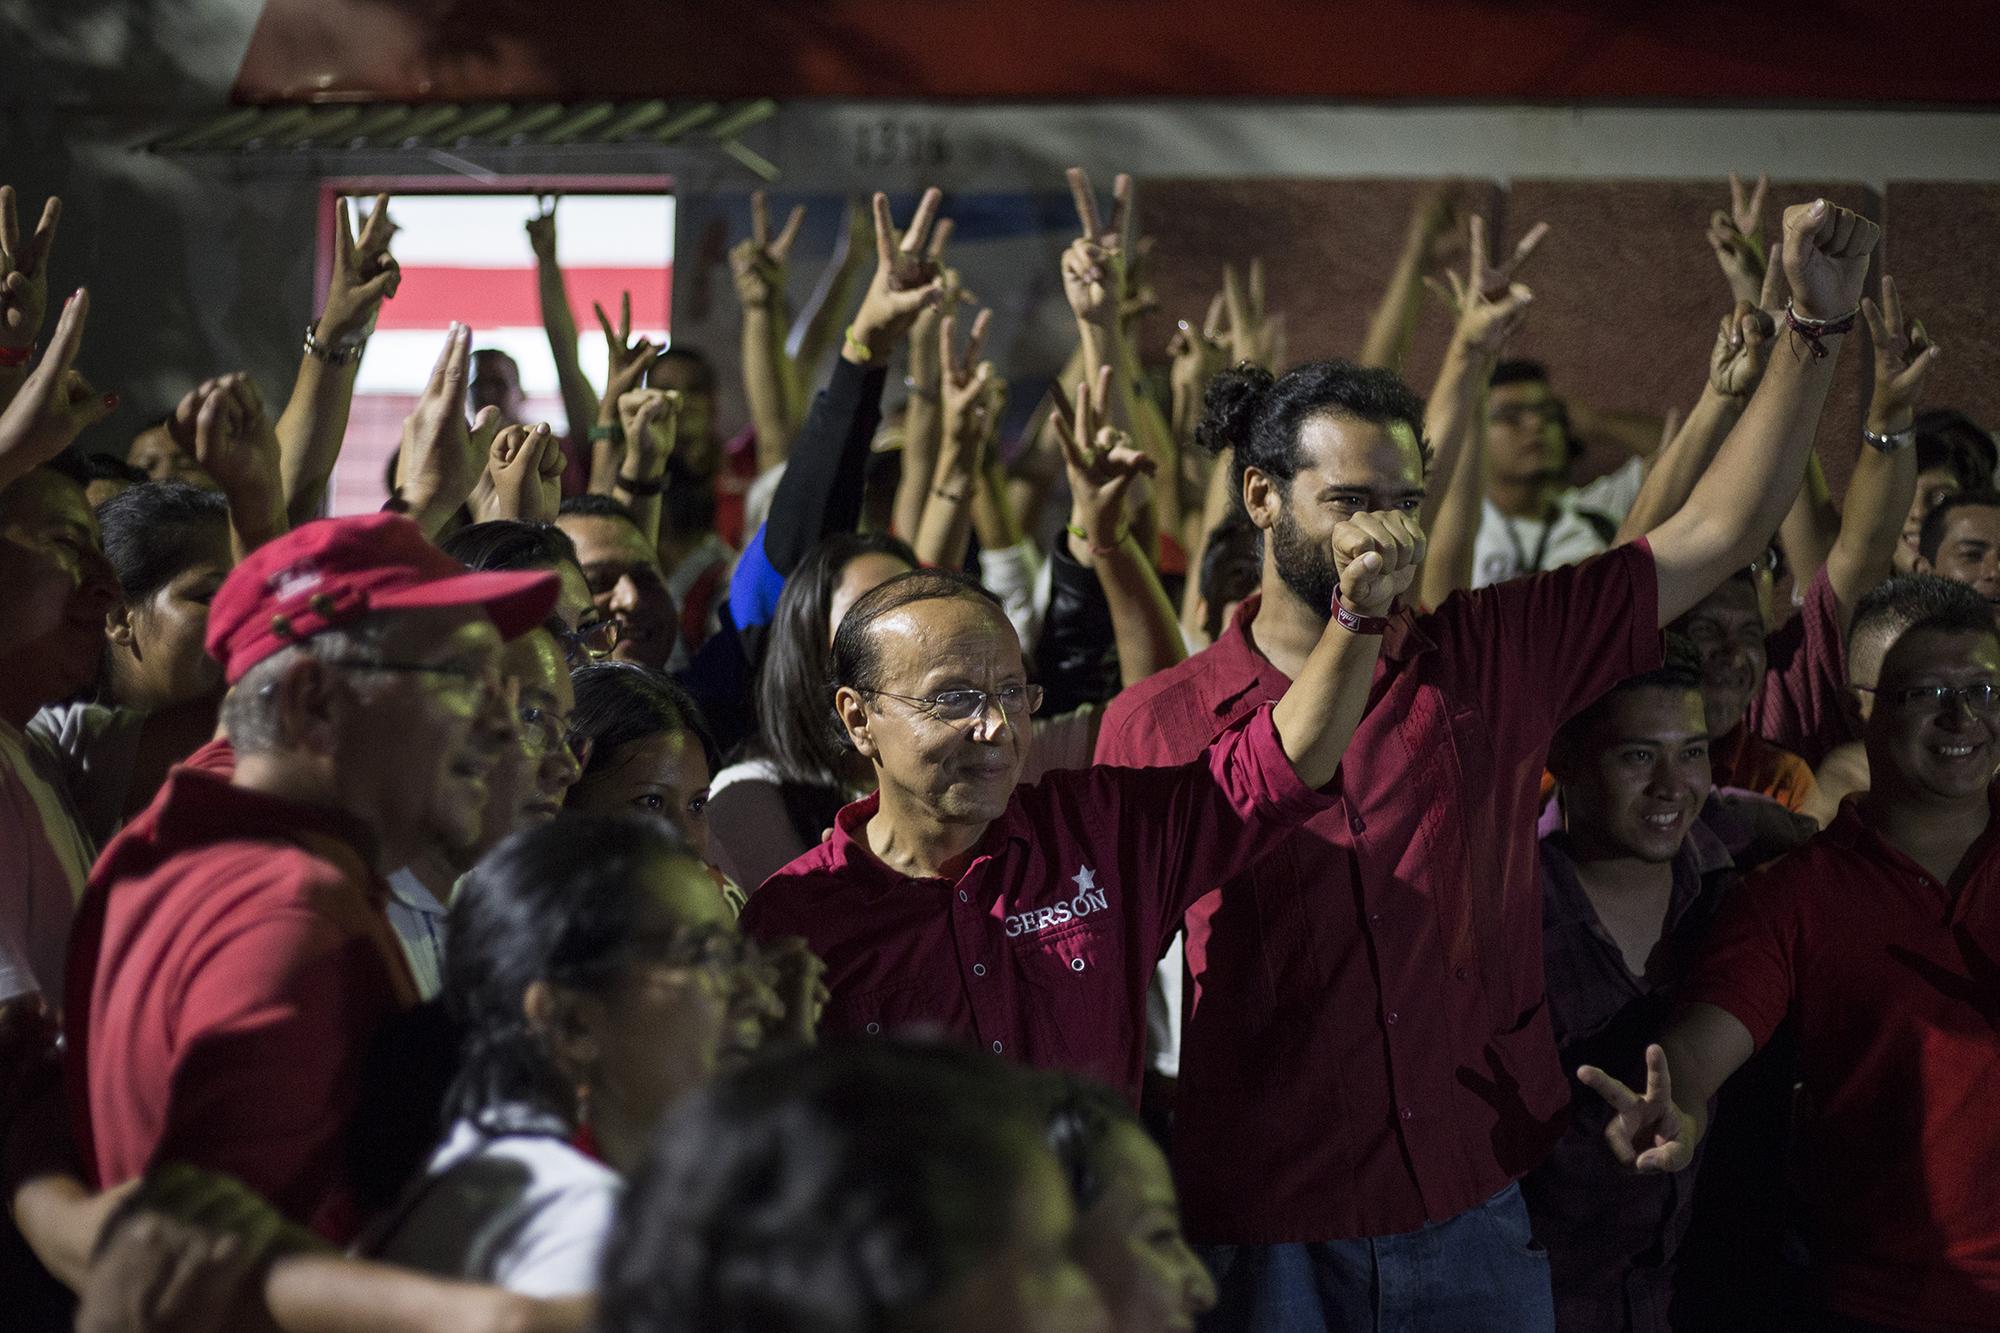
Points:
[[464, 255]]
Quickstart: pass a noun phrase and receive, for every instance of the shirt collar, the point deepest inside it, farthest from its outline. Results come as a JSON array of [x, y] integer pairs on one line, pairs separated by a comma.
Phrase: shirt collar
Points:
[[1702, 855], [198, 807], [406, 888], [849, 856]]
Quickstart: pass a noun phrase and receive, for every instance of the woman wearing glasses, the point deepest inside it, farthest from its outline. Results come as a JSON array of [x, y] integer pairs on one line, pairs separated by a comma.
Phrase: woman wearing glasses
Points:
[[1029, 918], [594, 980]]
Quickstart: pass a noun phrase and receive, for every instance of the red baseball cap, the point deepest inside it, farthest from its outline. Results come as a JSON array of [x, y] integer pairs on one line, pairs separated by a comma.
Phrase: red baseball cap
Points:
[[331, 572]]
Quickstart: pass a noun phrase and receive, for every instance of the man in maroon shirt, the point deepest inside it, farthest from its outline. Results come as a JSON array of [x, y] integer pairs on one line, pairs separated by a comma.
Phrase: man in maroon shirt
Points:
[[1367, 1068], [1880, 940], [232, 957], [1029, 919]]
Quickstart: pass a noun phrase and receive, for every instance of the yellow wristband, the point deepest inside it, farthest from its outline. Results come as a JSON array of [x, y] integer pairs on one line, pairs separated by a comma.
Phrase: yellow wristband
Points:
[[1077, 532], [861, 350]]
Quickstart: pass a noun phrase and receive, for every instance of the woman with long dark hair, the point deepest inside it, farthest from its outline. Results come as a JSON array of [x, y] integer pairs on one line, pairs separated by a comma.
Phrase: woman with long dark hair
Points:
[[590, 974]]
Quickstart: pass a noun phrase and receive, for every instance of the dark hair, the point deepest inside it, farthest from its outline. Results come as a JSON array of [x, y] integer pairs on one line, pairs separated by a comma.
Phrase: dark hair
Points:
[[856, 660], [1948, 438], [1236, 546], [1247, 410], [562, 901], [510, 543], [1079, 1117], [1679, 669], [1931, 537], [833, 1189], [71, 463], [110, 467], [704, 372], [1518, 370], [794, 684], [495, 354], [1908, 602], [621, 702], [595, 506], [153, 532]]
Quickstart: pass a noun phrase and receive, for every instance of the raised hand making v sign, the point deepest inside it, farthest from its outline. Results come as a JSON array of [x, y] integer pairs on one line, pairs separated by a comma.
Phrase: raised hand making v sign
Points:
[[24, 277], [55, 403], [906, 281]]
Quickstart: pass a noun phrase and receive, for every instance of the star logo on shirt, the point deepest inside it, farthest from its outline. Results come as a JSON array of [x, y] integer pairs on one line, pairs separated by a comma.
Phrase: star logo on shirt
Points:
[[1085, 879]]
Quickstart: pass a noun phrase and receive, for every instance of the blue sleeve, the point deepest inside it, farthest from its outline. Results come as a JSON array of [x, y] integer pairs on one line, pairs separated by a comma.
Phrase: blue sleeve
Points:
[[754, 586]]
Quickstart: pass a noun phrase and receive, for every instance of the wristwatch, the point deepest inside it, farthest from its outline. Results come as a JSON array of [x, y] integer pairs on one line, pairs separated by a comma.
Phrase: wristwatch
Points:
[[1889, 444]]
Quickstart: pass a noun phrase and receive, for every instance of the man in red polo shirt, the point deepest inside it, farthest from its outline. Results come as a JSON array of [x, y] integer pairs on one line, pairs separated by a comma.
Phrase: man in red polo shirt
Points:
[[1880, 940], [1029, 919], [1367, 1068], [232, 957]]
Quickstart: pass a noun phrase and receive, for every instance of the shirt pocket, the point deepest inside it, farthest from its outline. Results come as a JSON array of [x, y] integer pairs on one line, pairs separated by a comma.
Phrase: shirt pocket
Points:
[[916, 1006], [1075, 999]]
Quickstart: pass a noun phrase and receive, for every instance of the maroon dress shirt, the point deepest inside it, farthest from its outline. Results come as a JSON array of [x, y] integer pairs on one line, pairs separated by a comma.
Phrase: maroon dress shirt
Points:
[[1892, 983], [1043, 948], [1368, 1046]]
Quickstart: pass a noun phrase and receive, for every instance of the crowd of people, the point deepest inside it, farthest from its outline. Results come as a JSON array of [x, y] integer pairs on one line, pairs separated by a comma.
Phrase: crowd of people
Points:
[[1345, 871]]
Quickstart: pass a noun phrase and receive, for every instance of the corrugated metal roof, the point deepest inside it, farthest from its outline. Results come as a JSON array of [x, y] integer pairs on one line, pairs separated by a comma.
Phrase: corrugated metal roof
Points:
[[485, 132]]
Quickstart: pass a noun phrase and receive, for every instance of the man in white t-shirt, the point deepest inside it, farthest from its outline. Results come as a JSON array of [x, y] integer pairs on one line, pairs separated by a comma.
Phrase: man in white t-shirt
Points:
[[1534, 519], [55, 590]]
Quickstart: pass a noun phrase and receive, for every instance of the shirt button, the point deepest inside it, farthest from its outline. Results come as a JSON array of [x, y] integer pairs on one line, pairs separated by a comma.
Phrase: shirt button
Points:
[[1392, 1016], [1357, 824], [1460, 973], [997, 1048], [874, 1029], [1408, 1114], [979, 969], [1076, 965], [1374, 917], [964, 897]]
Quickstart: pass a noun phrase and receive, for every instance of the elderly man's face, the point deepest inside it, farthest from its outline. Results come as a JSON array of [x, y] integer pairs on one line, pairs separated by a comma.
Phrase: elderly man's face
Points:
[[961, 771], [425, 729]]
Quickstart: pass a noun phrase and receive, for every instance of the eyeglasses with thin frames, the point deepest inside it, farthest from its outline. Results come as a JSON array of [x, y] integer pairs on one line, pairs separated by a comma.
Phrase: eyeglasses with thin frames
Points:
[[546, 730], [1981, 698], [588, 643], [483, 678], [961, 706]]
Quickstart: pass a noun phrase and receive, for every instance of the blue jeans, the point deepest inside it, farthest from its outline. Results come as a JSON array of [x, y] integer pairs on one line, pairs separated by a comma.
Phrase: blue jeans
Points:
[[1479, 1272]]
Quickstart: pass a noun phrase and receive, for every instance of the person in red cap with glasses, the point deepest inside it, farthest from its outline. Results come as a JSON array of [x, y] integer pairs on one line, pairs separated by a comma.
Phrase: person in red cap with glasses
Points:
[[232, 958]]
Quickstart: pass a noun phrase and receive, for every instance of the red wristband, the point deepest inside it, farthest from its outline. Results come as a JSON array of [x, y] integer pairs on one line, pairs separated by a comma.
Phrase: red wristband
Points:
[[1354, 624], [16, 356]]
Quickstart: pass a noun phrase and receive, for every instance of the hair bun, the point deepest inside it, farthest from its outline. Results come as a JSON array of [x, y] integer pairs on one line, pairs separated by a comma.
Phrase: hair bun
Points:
[[1230, 405]]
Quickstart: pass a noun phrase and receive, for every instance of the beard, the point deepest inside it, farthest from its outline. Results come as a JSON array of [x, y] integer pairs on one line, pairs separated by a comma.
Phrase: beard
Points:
[[1305, 565]]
